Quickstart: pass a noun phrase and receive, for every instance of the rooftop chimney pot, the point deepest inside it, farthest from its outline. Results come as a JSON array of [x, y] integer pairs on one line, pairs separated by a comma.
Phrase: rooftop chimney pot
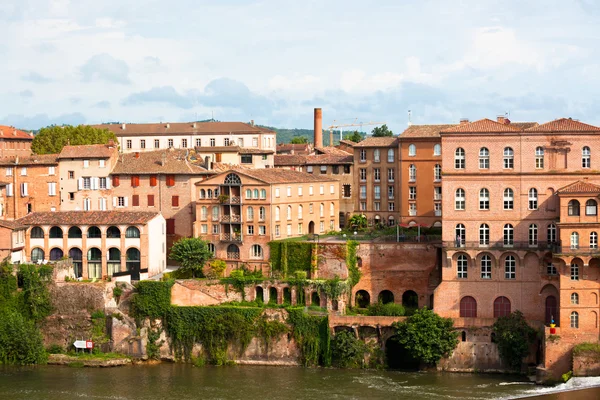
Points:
[[464, 121], [123, 126]]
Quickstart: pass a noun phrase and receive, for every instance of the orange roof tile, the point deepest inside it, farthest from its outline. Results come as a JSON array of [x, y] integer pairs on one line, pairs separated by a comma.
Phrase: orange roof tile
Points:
[[564, 125], [418, 131], [10, 132], [88, 218], [177, 162], [88, 151], [35, 159], [182, 128], [579, 187], [483, 126], [387, 141]]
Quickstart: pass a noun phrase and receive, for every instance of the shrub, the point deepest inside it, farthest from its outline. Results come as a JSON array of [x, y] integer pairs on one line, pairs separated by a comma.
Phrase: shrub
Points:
[[514, 336], [387, 310], [55, 349], [20, 341], [217, 268], [347, 351]]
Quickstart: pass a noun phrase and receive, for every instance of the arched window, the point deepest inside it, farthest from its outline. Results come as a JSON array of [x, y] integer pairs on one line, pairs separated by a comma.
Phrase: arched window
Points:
[[204, 213], [114, 261], [74, 233], [255, 193], [533, 199], [133, 259], [76, 256], [501, 307], [233, 180], [509, 199], [385, 297], [202, 194], [113, 232], [509, 158], [412, 172], [586, 157], [248, 193], [277, 213], [233, 252], [412, 150], [256, 252], [574, 272], [574, 298], [460, 234], [332, 209], [437, 149], [250, 213], [215, 213], [56, 254], [461, 266], [94, 257], [362, 299], [37, 255], [300, 210], [508, 235], [390, 155], [322, 210], [551, 232], [574, 240], [212, 249], [55, 233], [36, 233], [510, 267], [376, 156], [484, 199], [486, 267], [593, 240], [468, 307], [132, 232], [437, 173], [591, 207], [289, 212], [575, 320], [459, 158], [263, 194], [262, 214], [209, 194], [539, 157], [533, 235], [94, 232], [484, 158], [484, 235], [459, 199]]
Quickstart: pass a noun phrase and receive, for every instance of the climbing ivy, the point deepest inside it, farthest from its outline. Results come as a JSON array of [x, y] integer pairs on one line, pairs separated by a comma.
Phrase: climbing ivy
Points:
[[152, 299], [312, 336], [288, 257], [239, 279], [354, 273], [347, 350]]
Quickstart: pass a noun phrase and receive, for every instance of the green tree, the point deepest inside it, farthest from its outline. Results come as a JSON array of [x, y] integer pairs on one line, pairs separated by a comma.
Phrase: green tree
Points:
[[347, 351], [299, 140], [217, 267], [21, 341], [192, 254], [354, 136], [358, 222], [52, 139], [514, 336], [427, 336], [382, 131]]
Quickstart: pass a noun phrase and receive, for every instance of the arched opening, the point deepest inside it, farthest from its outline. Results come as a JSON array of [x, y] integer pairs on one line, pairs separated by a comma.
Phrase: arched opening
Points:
[[74, 233], [56, 254], [311, 227], [468, 307], [463, 336], [114, 261], [493, 337], [233, 252], [315, 299], [94, 258], [133, 263], [362, 299], [385, 297], [501, 307], [410, 300], [300, 298], [287, 295], [113, 232], [259, 294], [551, 310], [36, 233], [56, 233], [272, 295], [76, 255], [359, 262], [397, 357], [335, 305], [94, 232], [132, 232], [37, 255]]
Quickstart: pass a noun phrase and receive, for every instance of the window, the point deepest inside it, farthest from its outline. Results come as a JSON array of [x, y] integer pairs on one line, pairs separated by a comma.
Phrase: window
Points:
[[501, 307], [437, 193], [437, 149], [390, 174], [9, 171], [437, 173], [184, 143], [226, 142], [289, 230], [250, 229], [198, 142], [71, 196], [135, 181], [323, 169], [412, 209], [256, 251], [170, 143], [142, 143], [262, 230], [170, 180], [116, 181], [363, 174], [51, 170], [261, 213], [377, 174], [551, 269], [539, 157], [377, 194], [277, 230], [484, 158], [321, 226], [299, 190], [246, 158], [484, 235], [94, 232], [150, 200], [121, 201], [391, 207], [391, 155], [574, 298], [71, 174], [412, 150], [321, 210], [175, 201], [484, 199], [363, 192], [574, 320], [332, 209], [263, 194], [533, 235], [510, 267], [412, 173], [363, 206], [129, 143], [212, 142], [593, 240], [574, 240], [412, 193], [574, 272], [573, 208], [346, 190], [300, 230], [215, 213], [204, 229], [533, 199], [289, 213], [132, 232], [51, 188], [135, 200], [288, 191], [321, 189], [24, 190], [591, 207], [509, 199], [86, 163], [460, 235], [331, 189], [377, 205], [102, 183], [551, 233], [486, 267], [585, 157], [23, 171], [277, 213], [363, 155], [459, 199], [461, 266], [101, 163], [509, 158], [215, 229], [300, 210], [309, 169], [459, 158], [276, 192], [156, 143], [508, 235]]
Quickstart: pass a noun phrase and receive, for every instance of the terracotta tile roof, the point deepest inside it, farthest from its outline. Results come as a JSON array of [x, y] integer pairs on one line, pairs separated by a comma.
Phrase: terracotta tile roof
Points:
[[251, 150], [289, 159], [579, 187], [41, 159], [217, 149], [176, 162], [11, 224], [564, 125], [331, 150], [316, 159], [88, 151], [388, 141], [183, 128], [88, 218], [524, 125], [277, 175], [347, 142], [298, 148], [483, 126], [10, 132], [422, 131]]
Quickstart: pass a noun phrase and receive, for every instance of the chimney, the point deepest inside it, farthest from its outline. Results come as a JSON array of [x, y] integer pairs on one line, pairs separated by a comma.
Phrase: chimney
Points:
[[123, 126], [500, 119], [318, 139], [168, 125], [464, 121], [252, 122], [111, 144], [15, 132], [194, 125], [164, 159]]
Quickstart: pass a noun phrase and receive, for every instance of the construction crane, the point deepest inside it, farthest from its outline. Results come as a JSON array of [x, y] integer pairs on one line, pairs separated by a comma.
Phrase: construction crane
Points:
[[332, 127]]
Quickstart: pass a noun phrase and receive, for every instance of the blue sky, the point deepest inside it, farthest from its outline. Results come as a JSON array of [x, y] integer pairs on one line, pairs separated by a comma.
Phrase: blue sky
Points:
[[274, 61]]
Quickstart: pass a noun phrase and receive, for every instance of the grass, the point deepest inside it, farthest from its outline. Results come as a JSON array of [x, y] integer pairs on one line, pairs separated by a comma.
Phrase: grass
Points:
[[97, 356], [587, 348]]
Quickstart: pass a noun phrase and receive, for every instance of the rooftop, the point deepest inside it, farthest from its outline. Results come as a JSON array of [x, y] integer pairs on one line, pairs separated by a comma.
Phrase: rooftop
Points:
[[171, 161], [387, 141], [11, 224], [277, 175], [579, 187], [41, 159], [564, 125], [10, 132], [484, 126], [88, 218], [183, 128], [88, 151], [424, 131], [316, 159]]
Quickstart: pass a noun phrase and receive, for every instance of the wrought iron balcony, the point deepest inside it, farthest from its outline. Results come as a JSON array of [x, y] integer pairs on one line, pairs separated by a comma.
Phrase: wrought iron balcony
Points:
[[231, 218], [550, 246], [581, 250], [231, 237], [233, 255]]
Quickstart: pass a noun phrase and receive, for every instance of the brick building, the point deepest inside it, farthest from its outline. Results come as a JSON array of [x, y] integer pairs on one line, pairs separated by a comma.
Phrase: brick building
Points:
[[12, 241], [14, 142]]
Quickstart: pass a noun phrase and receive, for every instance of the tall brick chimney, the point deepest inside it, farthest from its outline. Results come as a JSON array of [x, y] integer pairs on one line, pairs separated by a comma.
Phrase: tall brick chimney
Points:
[[318, 127]]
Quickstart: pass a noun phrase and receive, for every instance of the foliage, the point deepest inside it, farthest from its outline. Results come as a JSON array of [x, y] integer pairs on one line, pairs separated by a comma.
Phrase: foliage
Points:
[[299, 140], [288, 257], [21, 341], [386, 310], [426, 336], [382, 131], [354, 273], [347, 351], [312, 335], [286, 135], [592, 349], [567, 376], [514, 336], [153, 299], [52, 139], [354, 136], [36, 296], [153, 345], [118, 291], [192, 254], [553, 338], [55, 349], [240, 278], [358, 222], [270, 330], [177, 274], [8, 283], [99, 334], [216, 270]]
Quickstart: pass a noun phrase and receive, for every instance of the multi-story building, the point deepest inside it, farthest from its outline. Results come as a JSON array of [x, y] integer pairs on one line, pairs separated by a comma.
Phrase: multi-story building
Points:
[[84, 177], [128, 245], [376, 178], [420, 175], [14, 142], [12, 241], [240, 211], [162, 181], [295, 148], [32, 184], [235, 155]]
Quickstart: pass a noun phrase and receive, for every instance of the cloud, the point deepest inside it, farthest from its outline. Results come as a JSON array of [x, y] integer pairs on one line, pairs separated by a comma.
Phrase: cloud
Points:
[[163, 95], [26, 94], [40, 120], [35, 78], [102, 104], [104, 67]]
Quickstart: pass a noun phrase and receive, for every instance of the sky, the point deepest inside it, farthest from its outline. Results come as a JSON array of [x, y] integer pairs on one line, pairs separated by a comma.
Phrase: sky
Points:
[[80, 61]]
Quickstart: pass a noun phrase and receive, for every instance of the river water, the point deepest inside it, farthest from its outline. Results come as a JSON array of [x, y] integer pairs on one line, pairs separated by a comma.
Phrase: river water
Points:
[[180, 382]]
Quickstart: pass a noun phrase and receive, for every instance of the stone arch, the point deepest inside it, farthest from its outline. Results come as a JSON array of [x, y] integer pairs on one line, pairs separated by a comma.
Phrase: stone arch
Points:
[[531, 260], [367, 332], [37, 255], [595, 319], [462, 253], [385, 297], [259, 294], [502, 258], [593, 272], [56, 253], [486, 253], [595, 298], [362, 299], [410, 299], [397, 357], [315, 299], [343, 328], [437, 224], [502, 306], [468, 307], [287, 295], [273, 295]]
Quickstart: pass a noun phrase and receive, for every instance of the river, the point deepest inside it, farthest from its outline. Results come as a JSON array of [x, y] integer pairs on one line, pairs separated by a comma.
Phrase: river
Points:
[[180, 382]]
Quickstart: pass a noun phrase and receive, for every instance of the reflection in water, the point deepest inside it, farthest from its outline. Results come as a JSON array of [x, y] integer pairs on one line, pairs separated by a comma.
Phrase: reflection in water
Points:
[[177, 381]]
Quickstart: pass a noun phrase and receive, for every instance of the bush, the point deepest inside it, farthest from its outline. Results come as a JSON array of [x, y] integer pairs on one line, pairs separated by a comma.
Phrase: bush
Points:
[[587, 348], [386, 310], [347, 351], [514, 336], [216, 269], [20, 340], [55, 349]]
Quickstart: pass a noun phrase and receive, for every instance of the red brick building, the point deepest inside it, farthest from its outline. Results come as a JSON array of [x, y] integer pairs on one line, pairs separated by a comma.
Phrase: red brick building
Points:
[[14, 142]]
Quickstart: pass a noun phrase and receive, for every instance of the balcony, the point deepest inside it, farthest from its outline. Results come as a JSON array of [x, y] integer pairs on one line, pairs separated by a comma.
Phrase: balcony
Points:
[[580, 250], [233, 255], [225, 199], [231, 237], [549, 246], [437, 213], [437, 196], [231, 218]]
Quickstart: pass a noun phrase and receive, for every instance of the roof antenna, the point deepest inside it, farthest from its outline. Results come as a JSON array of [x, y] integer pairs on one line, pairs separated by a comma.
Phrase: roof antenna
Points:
[[409, 118], [213, 116]]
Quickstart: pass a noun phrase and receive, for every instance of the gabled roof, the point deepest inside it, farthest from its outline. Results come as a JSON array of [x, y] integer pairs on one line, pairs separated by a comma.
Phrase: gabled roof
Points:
[[580, 187], [36, 159], [12, 133], [176, 162], [182, 128], [331, 150], [11, 224], [564, 125], [483, 126], [424, 131], [88, 218], [88, 151], [387, 141]]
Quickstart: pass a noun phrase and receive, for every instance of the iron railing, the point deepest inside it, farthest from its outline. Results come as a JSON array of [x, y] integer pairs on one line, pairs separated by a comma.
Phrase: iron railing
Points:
[[455, 244]]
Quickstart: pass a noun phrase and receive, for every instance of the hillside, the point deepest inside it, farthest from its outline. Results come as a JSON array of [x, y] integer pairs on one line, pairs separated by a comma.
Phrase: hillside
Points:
[[285, 135]]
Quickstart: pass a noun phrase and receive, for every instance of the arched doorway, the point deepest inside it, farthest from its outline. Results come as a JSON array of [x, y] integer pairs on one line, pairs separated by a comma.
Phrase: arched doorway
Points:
[[56, 254], [76, 255], [468, 307], [287, 296], [362, 299], [233, 252], [410, 300], [315, 299], [311, 227], [397, 357], [551, 310], [259, 295], [133, 262], [385, 297], [272, 295]]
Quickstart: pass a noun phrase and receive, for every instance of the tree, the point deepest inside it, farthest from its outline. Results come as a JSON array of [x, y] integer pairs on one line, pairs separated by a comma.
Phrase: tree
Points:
[[427, 336], [192, 254], [514, 336], [299, 140], [382, 131], [52, 139], [354, 137]]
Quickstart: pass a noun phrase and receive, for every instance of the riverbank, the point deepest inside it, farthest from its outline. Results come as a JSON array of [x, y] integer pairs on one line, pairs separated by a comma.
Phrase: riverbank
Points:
[[88, 360]]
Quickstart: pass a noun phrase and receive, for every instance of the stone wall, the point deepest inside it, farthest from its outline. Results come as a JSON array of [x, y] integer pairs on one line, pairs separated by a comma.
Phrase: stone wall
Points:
[[201, 293], [586, 364]]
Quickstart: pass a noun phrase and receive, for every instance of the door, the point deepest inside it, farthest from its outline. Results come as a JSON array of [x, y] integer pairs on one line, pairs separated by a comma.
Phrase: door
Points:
[[551, 310]]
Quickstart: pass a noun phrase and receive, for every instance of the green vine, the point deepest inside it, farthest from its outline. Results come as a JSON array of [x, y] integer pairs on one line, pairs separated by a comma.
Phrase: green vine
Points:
[[312, 335], [152, 300], [289, 257], [153, 345], [354, 273]]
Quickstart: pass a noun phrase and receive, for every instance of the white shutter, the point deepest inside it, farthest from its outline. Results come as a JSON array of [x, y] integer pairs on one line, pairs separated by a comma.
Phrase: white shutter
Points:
[[49, 188], [114, 201], [108, 182], [9, 190], [126, 201], [96, 183], [79, 183], [24, 189]]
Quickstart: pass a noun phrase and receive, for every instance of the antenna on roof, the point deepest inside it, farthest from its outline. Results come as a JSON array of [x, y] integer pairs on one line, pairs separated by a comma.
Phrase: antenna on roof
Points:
[[213, 116], [409, 118]]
